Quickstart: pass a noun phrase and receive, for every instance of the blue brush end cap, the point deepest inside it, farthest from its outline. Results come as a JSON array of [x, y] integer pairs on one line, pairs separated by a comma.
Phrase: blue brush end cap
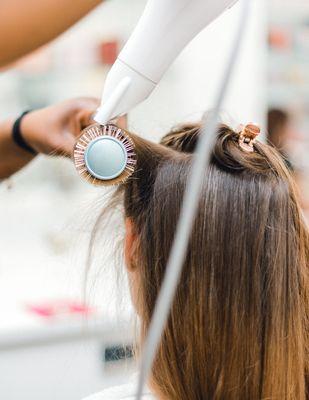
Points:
[[106, 158]]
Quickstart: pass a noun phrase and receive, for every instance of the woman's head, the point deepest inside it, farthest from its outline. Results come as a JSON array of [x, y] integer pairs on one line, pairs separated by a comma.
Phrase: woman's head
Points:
[[237, 325]]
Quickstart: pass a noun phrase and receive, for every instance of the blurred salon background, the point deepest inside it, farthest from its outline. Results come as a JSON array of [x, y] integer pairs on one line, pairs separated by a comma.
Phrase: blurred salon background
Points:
[[53, 342]]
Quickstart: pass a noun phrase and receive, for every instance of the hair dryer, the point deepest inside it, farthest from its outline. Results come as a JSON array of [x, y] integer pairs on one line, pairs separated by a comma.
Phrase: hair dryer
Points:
[[163, 31]]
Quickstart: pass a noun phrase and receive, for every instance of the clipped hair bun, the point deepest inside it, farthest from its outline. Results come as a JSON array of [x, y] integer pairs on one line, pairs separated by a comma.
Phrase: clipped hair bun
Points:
[[228, 152]]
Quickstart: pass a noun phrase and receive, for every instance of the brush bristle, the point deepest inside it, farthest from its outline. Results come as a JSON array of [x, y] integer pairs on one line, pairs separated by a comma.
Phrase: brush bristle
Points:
[[93, 132]]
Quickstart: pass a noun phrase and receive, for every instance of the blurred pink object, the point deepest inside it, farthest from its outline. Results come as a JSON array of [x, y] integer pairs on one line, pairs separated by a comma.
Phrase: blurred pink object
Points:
[[108, 52], [279, 39], [55, 309]]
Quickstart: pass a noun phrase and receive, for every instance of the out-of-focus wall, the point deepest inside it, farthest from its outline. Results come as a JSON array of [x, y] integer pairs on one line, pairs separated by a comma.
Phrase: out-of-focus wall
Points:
[[288, 83]]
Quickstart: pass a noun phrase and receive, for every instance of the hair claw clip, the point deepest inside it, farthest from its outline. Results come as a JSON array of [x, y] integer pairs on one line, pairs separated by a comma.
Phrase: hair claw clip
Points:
[[247, 136]]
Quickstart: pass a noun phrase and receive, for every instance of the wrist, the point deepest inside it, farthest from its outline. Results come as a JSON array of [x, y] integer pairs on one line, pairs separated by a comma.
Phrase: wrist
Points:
[[12, 156], [18, 134]]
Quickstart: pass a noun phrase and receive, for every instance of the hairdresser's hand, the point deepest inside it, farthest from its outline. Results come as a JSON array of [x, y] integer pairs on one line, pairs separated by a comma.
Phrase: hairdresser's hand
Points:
[[53, 130]]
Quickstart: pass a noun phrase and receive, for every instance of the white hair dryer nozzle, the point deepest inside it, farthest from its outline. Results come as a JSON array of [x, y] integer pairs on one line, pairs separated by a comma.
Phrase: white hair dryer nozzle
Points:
[[124, 89], [163, 31]]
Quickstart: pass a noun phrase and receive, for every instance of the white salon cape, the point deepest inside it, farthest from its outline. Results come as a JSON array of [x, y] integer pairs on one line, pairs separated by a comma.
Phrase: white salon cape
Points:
[[124, 392]]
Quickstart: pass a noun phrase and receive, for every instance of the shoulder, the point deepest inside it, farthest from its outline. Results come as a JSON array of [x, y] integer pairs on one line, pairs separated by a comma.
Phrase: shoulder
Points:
[[124, 392]]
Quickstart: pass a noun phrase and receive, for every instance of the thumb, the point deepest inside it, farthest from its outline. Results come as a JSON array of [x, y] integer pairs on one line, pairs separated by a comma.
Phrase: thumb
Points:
[[82, 120], [86, 118]]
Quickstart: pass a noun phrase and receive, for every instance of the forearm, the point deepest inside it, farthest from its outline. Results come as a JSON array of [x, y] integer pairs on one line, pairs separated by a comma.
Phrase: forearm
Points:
[[12, 157], [26, 25]]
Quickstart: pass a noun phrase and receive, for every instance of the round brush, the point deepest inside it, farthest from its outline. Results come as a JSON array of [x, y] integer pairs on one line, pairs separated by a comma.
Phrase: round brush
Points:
[[104, 155]]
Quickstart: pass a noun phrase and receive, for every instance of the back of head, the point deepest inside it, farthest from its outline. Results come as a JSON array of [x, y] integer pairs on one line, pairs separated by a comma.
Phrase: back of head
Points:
[[237, 325]]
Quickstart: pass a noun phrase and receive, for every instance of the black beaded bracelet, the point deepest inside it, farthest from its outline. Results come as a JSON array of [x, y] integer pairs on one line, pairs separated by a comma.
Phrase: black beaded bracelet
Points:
[[17, 135]]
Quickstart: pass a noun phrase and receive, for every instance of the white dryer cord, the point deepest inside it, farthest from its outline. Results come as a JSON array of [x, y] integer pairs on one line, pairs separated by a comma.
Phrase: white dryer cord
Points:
[[188, 213]]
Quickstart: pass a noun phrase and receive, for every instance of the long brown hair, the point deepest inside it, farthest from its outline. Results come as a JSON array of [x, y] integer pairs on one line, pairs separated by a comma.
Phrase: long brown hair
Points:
[[238, 325]]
